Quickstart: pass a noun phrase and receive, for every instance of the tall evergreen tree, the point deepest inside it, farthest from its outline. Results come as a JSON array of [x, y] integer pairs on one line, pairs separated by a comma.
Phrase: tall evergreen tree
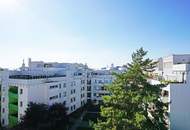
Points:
[[134, 104]]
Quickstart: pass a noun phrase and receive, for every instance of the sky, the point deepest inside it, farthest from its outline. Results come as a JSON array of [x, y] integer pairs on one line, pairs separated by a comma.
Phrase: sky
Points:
[[96, 32]]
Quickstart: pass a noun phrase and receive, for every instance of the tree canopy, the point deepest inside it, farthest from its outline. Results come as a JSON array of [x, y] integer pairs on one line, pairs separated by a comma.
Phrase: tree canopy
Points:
[[43, 117], [134, 103]]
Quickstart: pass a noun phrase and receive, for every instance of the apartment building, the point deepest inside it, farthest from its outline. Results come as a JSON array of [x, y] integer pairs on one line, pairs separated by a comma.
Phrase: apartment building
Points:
[[172, 67], [177, 94], [69, 83], [98, 80], [176, 68], [44, 83]]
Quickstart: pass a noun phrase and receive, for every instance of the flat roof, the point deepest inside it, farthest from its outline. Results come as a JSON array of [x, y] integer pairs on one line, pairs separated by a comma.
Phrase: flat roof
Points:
[[29, 77]]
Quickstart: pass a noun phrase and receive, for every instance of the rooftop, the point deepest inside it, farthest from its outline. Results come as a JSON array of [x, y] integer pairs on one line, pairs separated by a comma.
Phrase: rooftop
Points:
[[34, 77]]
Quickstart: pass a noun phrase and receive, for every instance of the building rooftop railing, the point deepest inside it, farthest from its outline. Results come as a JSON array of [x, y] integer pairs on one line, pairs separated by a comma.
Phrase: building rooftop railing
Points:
[[34, 77]]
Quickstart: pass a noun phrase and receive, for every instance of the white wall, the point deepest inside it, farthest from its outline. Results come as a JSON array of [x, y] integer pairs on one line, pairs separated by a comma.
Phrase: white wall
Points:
[[4, 94], [96, 86], [180, 106]]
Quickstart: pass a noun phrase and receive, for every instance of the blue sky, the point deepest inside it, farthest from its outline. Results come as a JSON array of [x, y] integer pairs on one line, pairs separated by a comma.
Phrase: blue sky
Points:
[[96, 32]]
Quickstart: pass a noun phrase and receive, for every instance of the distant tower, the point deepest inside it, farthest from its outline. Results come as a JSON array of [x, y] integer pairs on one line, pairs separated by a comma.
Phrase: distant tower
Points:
[[23, 64], [29, 62]]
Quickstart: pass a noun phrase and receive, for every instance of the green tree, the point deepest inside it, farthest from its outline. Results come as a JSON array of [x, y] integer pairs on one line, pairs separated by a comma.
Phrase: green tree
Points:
[[58, 117], [43, 117], [134, 104], [35, 117]]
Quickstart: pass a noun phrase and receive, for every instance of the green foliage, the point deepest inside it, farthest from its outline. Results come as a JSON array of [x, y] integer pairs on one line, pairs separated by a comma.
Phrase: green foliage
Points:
[[134, 104], [13, 107], [13, 98], [166, 82], [91, 116], [13, 121], [13, 89], [57, 117], [42, 117]]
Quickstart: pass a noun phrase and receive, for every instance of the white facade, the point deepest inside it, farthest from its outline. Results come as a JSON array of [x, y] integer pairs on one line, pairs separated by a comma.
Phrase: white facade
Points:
[[179, 107], [173, 67], [98, 80], [4, 97], [46, 83], [50, 83], [176, 68]]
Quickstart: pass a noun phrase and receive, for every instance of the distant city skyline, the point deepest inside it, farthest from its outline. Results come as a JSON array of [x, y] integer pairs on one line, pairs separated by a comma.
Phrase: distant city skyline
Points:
[[99, 32]]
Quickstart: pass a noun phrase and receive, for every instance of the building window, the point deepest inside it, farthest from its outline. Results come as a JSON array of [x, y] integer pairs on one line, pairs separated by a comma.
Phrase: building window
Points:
[[3, 121], [21, 104], [59, 95], [64, 103], [53, 86], [89, 82], [53, 97], [74, 107], [71, 108], [73, 99], [89, 88], [88, 95], [21, 91], [64, 85], [3, 110], [60, 86], [72, 91], [82, 81], [64, 94], [100, 81]]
